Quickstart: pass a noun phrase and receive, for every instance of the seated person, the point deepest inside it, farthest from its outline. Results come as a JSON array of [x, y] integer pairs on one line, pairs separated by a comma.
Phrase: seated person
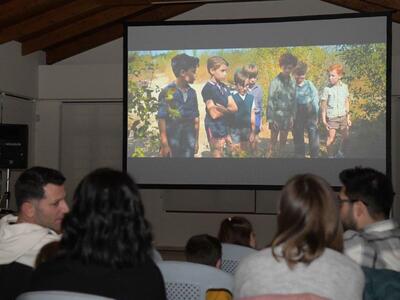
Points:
[[237, 230], [372, 239], [305, 254], [106, 247], [206, 250], [40, 199]]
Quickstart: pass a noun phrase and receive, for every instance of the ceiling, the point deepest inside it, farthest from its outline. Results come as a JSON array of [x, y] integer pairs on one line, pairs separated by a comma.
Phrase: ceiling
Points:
[[63, 28]]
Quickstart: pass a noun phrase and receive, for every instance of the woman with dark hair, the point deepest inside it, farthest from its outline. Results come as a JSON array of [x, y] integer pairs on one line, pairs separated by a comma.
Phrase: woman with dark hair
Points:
[[305, 255], [237, 230], [106, 244]]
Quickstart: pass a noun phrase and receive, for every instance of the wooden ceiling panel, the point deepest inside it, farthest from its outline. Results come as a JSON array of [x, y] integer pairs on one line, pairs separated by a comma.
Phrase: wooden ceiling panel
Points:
[[14, 11], [390, 4], [79, 27], [369, 6], [50, 18], [64, 28], [113, 31]]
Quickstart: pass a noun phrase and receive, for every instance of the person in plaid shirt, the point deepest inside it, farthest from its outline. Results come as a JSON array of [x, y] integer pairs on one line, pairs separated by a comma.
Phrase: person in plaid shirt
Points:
[[371, 238]]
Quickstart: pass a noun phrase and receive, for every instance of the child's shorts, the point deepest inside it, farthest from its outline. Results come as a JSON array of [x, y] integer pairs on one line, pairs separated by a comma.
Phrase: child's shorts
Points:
[[338, 123], [240, 135], [217, 142]]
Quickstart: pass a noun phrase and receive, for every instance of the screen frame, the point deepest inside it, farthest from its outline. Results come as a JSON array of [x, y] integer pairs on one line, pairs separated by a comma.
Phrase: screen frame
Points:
[[388, 16]]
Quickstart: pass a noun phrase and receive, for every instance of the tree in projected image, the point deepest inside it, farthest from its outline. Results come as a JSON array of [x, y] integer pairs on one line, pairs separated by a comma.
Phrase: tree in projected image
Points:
[[142, 106]]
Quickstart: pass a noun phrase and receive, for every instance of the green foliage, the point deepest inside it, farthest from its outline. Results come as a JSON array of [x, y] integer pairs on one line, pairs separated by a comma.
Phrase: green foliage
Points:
[[366, 75], [142, 106]]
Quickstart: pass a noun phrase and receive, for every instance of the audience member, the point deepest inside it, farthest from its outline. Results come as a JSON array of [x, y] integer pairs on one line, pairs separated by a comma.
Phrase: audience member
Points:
[[305, 253], [40, 198], [237, 230], [106, 244], [206, 250], [372, 239]]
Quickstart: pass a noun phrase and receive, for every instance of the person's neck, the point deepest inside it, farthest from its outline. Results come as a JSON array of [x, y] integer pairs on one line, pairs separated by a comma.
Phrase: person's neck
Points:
[[215, 80], [182, 84], [368, 220], [21, 218]]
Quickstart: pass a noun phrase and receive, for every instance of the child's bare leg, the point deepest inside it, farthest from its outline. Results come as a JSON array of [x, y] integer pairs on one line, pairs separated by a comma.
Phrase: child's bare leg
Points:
[[272, 143], [329, 141], [218, 148], [282, 140], [245, 146], [235, 149]]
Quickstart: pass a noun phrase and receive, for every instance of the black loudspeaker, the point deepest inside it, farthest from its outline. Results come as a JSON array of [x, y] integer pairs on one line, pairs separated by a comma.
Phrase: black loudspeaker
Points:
[[13, 146]]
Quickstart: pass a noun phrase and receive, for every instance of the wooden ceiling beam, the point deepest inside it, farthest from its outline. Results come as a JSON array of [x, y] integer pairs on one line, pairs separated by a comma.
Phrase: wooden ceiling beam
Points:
[[389, 4], [113, 31], [366, 6], [14, 11], [77, 28], [50, 18]]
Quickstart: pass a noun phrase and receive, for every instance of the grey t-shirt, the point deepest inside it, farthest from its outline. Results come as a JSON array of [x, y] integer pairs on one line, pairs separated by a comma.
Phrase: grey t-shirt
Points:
[[332, 275]]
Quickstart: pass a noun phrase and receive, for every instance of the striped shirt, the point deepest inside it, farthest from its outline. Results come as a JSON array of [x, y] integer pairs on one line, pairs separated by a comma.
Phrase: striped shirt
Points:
[[377, 246]]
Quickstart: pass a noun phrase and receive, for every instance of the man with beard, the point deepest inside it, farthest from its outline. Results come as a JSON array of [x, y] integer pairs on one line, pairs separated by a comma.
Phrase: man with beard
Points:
[[371, 238]]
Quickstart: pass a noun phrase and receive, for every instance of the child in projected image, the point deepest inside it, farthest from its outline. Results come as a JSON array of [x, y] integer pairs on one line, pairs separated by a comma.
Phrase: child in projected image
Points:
[[242, 125], [335, 105], [281, 104], [178, 113], [256, 91], [307, 112], [219, 104]]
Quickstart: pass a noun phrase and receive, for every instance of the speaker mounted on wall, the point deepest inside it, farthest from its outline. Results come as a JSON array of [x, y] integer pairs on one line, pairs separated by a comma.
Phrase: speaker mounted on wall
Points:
[[13, 146]]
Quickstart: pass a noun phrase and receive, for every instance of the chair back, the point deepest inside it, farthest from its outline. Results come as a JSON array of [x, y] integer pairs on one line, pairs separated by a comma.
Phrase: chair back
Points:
[[59, 295], [190, 281], [232, 255], [304, 296], [381, 284]]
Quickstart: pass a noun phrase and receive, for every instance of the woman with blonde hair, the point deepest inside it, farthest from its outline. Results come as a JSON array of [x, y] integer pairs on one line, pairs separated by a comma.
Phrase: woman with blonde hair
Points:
[[305, 254]]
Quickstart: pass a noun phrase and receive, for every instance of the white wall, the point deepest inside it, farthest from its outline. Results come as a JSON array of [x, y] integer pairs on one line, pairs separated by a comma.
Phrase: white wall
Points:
[[19, 76], [101, 70]]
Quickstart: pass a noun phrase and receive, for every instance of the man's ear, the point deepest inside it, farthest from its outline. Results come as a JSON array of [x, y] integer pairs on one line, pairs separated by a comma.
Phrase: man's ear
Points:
[[27, 209], [360, 209]]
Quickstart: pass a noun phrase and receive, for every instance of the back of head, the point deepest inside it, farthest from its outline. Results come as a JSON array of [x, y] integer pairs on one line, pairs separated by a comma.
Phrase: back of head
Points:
[[106, 224], [30, 184], [183, 62], [308, 220], [371, 187], [203, 249], [235, 230]]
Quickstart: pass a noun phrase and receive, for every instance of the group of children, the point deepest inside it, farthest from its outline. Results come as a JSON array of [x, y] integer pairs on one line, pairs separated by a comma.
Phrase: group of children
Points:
[[234, 116]]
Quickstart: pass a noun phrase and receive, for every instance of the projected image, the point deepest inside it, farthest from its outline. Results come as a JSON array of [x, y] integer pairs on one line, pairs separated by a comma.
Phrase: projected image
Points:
[[281, 102]]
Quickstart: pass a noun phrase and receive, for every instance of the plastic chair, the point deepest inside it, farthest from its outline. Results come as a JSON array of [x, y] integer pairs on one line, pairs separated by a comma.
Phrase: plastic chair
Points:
[[232, 255], [190, 281], [304, 296], [381, 284], [59, 295]]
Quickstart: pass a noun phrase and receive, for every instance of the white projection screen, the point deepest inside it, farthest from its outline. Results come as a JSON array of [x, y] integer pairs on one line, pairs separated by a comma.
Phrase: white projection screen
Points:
[[250, 103]]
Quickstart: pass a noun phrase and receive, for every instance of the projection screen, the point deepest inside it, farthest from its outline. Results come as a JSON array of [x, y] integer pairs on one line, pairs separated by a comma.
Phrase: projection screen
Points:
[[250, 103]]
